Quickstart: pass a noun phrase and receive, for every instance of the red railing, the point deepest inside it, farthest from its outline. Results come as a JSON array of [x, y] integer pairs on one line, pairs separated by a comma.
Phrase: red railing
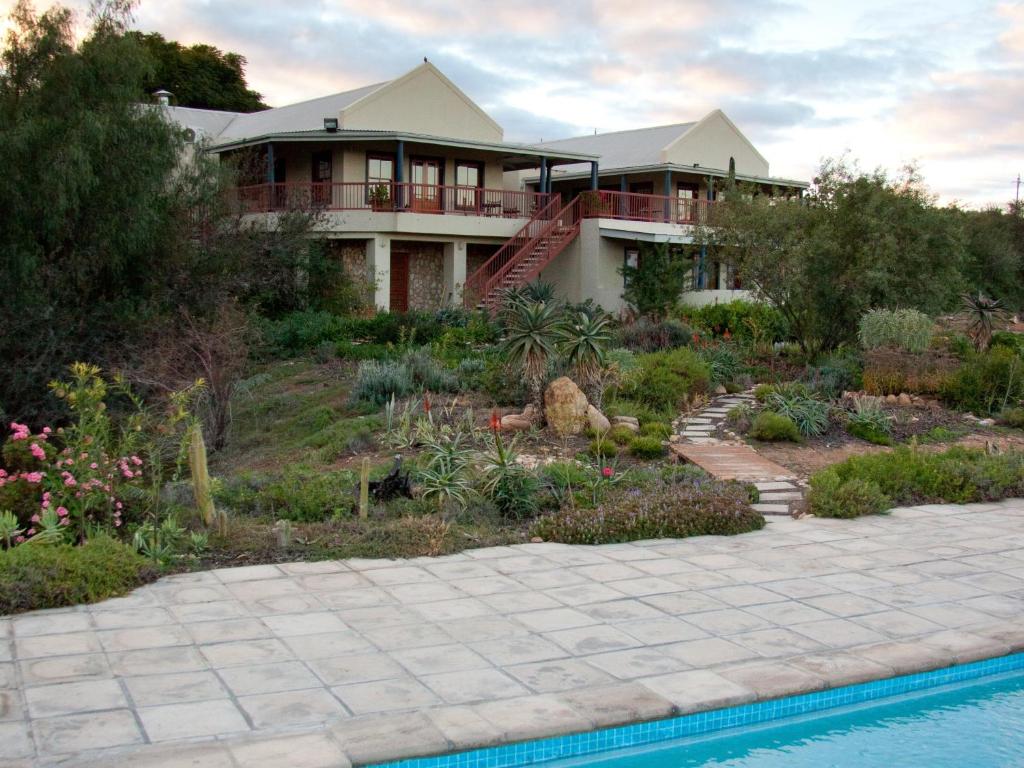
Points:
[[637, 207], [526, 253], [392, 196]]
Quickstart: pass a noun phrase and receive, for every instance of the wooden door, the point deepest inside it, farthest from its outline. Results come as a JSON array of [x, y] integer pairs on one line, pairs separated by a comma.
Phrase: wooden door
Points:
[[322, 176], [426, 179], [399, 281]]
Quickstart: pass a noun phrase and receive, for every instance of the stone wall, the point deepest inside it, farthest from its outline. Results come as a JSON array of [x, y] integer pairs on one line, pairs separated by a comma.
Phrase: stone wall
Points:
[[426, 274], [352, 256]]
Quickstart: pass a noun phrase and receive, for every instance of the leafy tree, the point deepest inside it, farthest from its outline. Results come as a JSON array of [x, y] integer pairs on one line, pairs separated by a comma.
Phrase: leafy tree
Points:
[[995, 252], [200, 76], [858, 240], [653, 286]]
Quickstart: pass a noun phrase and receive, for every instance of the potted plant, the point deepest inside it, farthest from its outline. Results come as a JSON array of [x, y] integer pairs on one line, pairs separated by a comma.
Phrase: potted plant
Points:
[[380, 198]]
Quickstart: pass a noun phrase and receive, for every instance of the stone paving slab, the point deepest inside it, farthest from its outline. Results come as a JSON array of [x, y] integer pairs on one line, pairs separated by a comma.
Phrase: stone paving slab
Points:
[[732, 462], [351, 662]]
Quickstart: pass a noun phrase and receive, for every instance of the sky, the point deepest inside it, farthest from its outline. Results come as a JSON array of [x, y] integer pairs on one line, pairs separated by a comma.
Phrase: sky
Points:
[[939, 84]]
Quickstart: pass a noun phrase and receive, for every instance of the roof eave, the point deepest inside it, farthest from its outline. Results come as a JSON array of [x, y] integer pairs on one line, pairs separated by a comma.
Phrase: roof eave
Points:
[[518, 150], [699, 170]]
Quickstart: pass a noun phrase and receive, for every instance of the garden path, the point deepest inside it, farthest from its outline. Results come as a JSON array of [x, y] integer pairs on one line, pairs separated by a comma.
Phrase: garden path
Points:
[[358, 661], [781, 491]]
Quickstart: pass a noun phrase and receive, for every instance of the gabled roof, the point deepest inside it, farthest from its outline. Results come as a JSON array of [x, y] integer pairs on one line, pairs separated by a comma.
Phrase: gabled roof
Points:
[[302, 116], [208, 123], [623, 149]]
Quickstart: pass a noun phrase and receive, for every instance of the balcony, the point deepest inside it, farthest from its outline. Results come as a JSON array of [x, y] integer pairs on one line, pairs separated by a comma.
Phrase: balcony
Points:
[[393, 197], [632, 206]]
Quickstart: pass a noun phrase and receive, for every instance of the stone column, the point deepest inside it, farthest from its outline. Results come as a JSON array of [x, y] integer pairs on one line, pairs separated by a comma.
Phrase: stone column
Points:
[[378, 267], [454, 272]]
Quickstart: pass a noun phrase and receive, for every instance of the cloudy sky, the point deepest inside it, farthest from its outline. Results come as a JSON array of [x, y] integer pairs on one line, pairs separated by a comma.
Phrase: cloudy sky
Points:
[[939, 83]]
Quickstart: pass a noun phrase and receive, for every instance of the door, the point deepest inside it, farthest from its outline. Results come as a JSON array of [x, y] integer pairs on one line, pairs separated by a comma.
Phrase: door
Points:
[[686, 195], [426, 180], [322, 177], [644, 208], [399, 281]]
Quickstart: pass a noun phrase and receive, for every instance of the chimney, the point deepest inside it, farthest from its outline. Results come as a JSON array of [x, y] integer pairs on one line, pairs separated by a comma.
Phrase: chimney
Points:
[[163, 98]]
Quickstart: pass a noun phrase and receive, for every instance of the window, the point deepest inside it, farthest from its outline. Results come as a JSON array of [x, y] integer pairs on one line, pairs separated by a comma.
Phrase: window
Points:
[[686, 195], [467, 174], [631, 260], [380, 169]]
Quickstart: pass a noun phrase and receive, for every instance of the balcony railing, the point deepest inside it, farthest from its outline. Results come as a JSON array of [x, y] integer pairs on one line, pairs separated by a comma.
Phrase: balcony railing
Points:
[[393, 196], [633, 206]]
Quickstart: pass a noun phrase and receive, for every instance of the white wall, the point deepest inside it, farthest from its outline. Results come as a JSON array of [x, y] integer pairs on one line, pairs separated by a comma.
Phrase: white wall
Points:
[[712, 142]]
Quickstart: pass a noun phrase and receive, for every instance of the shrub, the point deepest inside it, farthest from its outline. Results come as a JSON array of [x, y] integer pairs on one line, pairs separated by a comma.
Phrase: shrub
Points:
[[808, 413], [646, 448], [905, 329], [603, 448], [888, 372], [427, 373], [639, 411], [722, 361], [909, 476], [1012, 417], [740, 417], [349, 350], [1014, 341], [869, 421], [508, 484], [690, 507], [646, 335], [378, 380], [987, 383], [831, 497], [658, 429], [771, 427], [620, 434], [838, 373], [666, 380], [500, 385], [36, 576], [741, 319], [299, 494]]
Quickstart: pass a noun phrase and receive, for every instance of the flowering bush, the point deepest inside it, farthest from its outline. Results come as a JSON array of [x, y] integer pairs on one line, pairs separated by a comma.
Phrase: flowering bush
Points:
[[690, 507], [59, 483]]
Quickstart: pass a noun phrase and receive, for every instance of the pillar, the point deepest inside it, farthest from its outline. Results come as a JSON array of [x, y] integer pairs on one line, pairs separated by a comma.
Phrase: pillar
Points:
[[593, 176], [623, 200], [399, 173], [270, 177], [378, 268], [543, 186], [454, 271], [668, 195]]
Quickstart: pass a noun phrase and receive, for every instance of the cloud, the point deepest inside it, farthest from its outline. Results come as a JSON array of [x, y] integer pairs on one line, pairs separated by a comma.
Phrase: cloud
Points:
[[940, 81]]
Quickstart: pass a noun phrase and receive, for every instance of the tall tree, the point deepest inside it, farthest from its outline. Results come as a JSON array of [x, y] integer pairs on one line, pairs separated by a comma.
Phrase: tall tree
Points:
[[200, 75]]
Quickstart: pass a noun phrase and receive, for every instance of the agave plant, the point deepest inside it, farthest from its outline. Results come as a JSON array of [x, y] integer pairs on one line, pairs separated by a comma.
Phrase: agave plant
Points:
[[532, 332], [584, 340], [982, 313]]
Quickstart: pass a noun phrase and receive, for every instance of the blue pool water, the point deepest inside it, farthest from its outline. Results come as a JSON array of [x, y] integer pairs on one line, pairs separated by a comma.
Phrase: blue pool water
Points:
[[967, 725]]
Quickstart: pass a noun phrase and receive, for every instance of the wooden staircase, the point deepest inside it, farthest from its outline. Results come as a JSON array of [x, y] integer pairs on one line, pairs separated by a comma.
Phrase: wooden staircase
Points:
[[526, 253]]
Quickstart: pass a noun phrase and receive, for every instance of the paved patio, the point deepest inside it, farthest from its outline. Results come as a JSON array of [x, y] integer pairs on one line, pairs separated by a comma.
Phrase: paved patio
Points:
[[331, 663]]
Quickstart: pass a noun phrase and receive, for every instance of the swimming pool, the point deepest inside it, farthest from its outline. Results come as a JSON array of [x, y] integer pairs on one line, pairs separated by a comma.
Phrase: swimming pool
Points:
[[966, 715], [980, 725]]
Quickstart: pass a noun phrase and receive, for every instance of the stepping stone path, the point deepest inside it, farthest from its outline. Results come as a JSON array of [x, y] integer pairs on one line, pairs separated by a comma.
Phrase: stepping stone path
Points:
[[781, 492]]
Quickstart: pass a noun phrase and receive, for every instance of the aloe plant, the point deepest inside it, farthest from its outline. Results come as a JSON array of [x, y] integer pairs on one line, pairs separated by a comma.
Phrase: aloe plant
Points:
[[982, 313], [9, 529]]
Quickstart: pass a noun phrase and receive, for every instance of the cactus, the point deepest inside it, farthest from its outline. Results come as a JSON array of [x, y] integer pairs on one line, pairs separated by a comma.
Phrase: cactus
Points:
[[200, 475], [364, 489]]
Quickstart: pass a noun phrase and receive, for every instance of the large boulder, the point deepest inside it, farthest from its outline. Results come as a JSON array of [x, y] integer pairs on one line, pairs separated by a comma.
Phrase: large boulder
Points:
[[565, 407], [630, 422], [597, 421], [515, 422]]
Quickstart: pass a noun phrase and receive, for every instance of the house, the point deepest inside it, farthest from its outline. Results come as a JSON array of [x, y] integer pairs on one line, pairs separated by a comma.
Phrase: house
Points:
[[421, 196]]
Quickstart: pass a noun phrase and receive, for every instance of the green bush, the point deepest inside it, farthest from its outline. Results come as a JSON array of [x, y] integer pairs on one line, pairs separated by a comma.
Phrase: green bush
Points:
[[742, 319], [987, 382], [349, 350], [604, 448], [620, 434], [642, 413], [428, 373], [34, 576], [500, 385], [869, 421], [909, 476], [722, 361], [666, 380], [378, 380], [771, 427], [1012, 417], [646, 335], [839, 372], [905, 329], [869, 432], [658, 429], [299, 494], [831, 497], [810, 414], [1014, 341], [646, 448], [690, 507]]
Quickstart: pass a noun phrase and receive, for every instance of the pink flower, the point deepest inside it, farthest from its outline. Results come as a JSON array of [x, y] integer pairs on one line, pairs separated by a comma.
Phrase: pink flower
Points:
[[64, 521], [62, 512], [47, 430], [607, 471], [119, 505], [117, 523], [19, 539], [35, 518], [32, 477], [94, 465], [3, 473], [31, 531], [136, 461], [38, 452]]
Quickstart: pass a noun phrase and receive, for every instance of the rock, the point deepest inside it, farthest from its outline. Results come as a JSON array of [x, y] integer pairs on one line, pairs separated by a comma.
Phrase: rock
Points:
[[536, 540], [904, 399], [597, 420], [674, 439], [626, 421], [530, 412], [891, 399], [721, 390], [986, 422], [516, 422], [565, 407]]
